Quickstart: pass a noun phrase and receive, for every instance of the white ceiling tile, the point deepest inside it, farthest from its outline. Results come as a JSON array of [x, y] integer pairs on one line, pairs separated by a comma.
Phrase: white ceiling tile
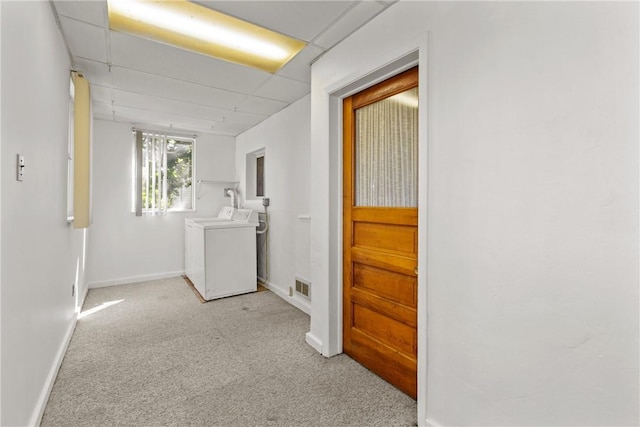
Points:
[[100, 93], [179, 108], [253, 104], [147, 116], [353, 20], [152, 57], [229, 129], [283, 89], [102, 109], [96, 72], [85, 40], [93, 12], [303, 20], [139, 117], [164, 87], [298, 68]]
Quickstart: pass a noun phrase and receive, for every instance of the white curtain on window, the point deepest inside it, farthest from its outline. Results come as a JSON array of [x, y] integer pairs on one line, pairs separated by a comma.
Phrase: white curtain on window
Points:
[[154, 174], [386, 152]]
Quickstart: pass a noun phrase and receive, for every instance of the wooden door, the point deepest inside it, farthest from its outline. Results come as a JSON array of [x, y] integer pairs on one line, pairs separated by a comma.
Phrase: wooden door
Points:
[[380, 222]]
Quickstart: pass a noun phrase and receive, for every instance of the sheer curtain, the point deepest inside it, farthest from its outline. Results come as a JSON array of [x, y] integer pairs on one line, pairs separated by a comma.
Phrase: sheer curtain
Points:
[[386, 152]]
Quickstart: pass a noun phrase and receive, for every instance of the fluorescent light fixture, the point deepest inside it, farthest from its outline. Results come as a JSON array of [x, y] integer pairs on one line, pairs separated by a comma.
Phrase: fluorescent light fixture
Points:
[[200, 29]]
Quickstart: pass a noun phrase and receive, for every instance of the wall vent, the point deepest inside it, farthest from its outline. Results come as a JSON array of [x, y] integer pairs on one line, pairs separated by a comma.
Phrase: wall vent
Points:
[[303, 287]]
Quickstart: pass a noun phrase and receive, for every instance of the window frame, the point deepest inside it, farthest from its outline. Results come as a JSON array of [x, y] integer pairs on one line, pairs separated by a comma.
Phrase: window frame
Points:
[[251, 173], [260, 175], [137, 205]]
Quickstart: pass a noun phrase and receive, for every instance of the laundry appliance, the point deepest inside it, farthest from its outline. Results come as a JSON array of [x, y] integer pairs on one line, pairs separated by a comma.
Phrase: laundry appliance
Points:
[[220, 253]]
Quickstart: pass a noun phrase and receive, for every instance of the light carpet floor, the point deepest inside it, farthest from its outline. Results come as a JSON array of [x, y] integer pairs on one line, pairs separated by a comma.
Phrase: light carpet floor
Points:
[[161, 358]]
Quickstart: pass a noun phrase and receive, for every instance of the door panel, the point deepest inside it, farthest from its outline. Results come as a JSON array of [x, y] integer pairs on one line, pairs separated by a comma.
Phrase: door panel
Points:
[[385, 329], [380, 221], [400, 288], [398, 239]]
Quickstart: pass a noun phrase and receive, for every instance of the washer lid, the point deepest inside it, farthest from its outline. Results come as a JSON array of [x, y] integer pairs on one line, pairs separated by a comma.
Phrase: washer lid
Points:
[[247, 216], [224, 224], [226, 212]]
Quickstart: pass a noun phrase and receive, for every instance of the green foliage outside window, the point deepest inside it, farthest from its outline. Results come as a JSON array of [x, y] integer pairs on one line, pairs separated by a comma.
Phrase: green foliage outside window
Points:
[[178, 173]]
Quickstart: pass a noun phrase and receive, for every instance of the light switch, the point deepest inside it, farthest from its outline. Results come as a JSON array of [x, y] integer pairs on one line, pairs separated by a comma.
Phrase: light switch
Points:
[[20, 168]]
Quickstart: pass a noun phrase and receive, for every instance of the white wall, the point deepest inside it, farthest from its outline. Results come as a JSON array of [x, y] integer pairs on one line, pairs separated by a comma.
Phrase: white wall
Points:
[[285, 138], [124, 248], [0, 219], [41, 253], [529, 177]]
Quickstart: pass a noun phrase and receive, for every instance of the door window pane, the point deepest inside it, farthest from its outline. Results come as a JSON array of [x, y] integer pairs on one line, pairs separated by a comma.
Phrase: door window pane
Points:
[[386, 152]]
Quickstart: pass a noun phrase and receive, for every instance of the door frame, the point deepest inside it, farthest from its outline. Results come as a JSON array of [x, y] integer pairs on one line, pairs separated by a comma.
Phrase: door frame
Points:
[[331, 343]]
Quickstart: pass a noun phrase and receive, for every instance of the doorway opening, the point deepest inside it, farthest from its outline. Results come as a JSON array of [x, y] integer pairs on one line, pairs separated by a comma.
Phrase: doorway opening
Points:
[[380, 229]]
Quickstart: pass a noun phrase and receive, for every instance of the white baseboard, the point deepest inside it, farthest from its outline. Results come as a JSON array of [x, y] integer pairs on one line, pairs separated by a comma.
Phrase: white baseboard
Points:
[[38, 411], [313, 341], [296, 301], [430, 423], [135, 279]]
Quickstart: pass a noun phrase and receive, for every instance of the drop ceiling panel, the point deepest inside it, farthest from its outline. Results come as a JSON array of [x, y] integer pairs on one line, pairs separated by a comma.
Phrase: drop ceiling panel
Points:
[[85, 40], [153, 57], [100, 93], [298, 68], [179, 123], [283, 89], [93, 12], [303, 20], [353, 20], [227, 129], [162, 85], [155, 117], [150, 84], [96, 72], [151, 103], [256, 105]]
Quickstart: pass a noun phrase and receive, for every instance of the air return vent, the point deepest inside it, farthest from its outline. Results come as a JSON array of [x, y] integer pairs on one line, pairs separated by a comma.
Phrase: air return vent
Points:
[[303, 287]]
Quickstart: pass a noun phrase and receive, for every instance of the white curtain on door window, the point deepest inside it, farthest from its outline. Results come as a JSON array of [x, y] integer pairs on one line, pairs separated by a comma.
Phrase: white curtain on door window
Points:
[[154, 174], [386, 152]]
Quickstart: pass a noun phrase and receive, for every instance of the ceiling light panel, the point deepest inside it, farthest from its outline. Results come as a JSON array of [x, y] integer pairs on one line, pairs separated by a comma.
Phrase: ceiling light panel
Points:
[[197, 28]]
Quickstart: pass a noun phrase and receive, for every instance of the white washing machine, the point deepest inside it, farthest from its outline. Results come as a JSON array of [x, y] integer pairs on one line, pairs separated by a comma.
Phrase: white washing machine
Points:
[[220, 253]]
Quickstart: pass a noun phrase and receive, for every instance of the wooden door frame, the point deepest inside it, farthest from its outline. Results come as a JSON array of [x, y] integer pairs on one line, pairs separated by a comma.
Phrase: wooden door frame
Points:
[[325, 332], [363, 345]]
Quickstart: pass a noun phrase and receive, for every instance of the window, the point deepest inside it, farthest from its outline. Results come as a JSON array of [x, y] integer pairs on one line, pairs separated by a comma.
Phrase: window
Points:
[[260, 176], [255, 183], [163, 175]]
